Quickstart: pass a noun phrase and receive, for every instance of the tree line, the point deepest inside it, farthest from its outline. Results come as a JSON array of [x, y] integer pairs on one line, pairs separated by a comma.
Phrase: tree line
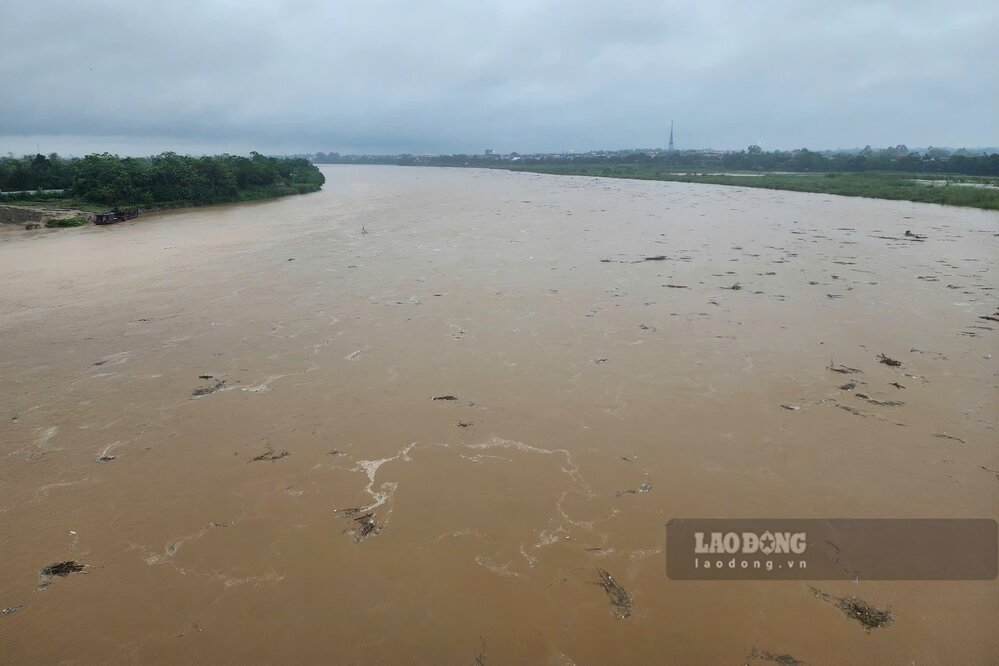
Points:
[[166, 178]]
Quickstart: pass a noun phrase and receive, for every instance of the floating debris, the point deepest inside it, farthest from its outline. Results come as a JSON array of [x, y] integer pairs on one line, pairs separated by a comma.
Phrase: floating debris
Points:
[[849, 386], [782, 659], [658, 257], [63, 569], [364, 525], [270, 455], [60, 570], [599, 360], [644, 488], [195, 627], [734, 287], [206, 377], [852, 410], [444, 397], [676, 286], [13, 609], [858, 609], [842, 369], [208, 390], [896, 385], [885, 403], [943, 435], [909, 234], [480, 658], [864, 613], [887, 360], [882, 403], [105, 457], [465, 424], [617, 595], [923, 351], [908, 238]]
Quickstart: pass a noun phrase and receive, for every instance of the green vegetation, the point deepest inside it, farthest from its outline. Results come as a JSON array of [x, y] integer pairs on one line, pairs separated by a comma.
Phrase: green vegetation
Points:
[[164, 180], [962, 191], [75, 221]]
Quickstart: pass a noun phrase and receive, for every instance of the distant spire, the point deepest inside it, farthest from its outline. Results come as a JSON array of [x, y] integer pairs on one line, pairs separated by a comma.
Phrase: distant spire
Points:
[[670, 148]]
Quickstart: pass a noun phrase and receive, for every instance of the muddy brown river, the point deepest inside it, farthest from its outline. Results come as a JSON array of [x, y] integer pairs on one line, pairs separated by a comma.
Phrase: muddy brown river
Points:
[[227, 416]]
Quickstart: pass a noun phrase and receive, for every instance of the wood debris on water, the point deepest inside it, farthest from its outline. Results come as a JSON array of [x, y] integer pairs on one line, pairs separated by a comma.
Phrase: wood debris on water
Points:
[[870, 616], [617, 595]]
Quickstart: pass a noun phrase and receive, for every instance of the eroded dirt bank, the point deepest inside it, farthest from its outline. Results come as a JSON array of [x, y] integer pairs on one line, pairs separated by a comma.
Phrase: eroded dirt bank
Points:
[[22, 215], [443, 415]]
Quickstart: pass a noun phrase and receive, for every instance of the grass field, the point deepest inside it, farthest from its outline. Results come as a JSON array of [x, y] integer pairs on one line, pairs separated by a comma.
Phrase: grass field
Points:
[[951, 191]]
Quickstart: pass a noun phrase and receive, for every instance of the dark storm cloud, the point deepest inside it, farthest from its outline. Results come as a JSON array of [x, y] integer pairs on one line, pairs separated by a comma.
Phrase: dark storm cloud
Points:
[[434, 76]]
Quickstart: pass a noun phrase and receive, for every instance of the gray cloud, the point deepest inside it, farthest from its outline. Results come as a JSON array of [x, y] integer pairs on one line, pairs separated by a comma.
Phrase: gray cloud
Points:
[[432, 76]]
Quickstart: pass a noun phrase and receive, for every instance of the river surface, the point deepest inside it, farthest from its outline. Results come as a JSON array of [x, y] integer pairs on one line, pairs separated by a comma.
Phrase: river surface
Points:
[[227, 416]]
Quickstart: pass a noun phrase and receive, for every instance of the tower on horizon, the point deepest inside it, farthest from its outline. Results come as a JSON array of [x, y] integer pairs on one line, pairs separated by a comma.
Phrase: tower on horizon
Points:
[[670, 148]]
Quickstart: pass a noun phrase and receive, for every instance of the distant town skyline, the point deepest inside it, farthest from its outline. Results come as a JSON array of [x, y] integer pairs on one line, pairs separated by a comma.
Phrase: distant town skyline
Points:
[[143, 147]]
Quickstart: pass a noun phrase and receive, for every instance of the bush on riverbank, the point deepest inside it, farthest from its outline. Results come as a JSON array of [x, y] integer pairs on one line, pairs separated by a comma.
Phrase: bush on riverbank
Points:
[[75, 221]]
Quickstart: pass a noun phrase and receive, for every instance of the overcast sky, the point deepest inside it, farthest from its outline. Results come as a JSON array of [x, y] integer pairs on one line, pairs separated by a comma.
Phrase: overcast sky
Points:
[[384, 76]]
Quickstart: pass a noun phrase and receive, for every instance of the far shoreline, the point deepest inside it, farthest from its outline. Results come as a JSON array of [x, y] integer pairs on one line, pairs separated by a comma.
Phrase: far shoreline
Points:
[[982, 194]]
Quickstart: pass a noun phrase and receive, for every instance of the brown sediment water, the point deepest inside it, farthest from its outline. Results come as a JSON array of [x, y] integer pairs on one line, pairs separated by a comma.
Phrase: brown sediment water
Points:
[[228, 417]]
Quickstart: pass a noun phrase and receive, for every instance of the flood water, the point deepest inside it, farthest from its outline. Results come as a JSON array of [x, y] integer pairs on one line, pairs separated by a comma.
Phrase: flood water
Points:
[[227, 415]]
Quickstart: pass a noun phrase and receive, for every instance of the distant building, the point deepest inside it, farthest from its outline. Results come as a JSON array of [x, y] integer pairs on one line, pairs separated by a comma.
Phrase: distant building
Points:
[[489, 151], [670, 148]]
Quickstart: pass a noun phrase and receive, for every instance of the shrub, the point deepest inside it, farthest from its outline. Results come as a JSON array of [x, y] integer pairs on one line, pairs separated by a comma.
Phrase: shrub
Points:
[[75, 221]]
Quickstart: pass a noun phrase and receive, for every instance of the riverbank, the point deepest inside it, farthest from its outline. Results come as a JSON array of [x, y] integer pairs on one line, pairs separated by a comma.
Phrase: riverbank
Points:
[[63, 212], [36, 216], [951, 191]]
